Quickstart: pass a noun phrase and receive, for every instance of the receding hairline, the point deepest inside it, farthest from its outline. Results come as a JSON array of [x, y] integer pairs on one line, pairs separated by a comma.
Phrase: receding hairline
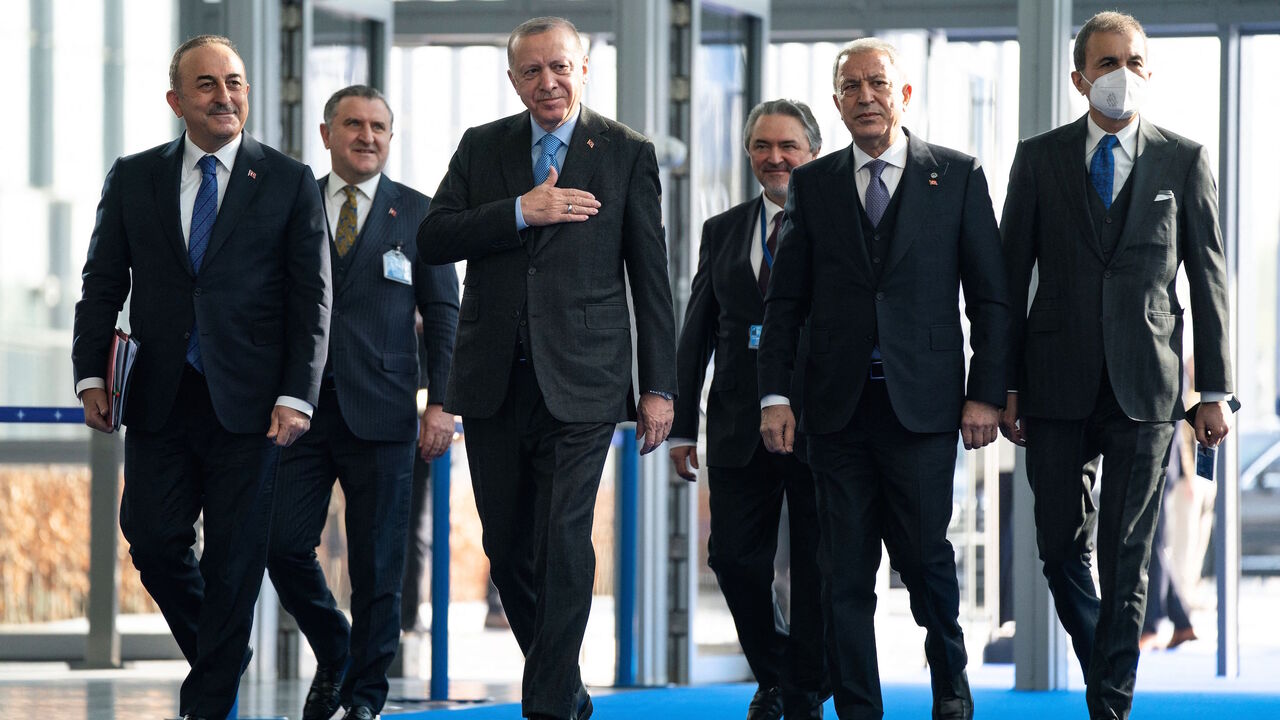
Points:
[[866, 46], [194, 43], [1109, 21], [540, 26]]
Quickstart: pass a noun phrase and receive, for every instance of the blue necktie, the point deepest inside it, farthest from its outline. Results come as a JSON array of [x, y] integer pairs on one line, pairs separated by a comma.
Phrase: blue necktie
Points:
[[203, 213], [1102, 169], [550, 146], [877, 200]]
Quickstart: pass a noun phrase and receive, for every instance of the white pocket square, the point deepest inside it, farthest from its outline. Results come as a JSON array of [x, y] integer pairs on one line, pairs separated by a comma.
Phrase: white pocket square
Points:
[[1164, 195]]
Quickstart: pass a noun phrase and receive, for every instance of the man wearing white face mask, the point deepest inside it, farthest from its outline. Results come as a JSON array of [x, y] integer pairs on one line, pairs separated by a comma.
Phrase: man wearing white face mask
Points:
[[1109, 206]]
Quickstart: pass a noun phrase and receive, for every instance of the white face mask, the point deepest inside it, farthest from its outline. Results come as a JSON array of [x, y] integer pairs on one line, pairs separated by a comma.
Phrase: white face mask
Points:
[[1118, 94]]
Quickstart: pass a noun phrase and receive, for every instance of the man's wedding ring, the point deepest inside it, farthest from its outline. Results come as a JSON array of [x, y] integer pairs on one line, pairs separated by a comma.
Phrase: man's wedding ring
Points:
[[570, 210]]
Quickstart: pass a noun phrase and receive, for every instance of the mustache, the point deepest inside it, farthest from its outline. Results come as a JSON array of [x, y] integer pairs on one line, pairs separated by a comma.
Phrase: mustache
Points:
[[218, 108]]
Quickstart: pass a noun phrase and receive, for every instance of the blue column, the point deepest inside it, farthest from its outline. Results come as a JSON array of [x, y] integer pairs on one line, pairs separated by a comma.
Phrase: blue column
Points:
[[440, 577], [625, 593]]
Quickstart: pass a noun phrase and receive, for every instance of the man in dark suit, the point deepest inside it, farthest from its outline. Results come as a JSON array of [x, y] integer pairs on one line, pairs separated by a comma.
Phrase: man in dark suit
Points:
[[747, 483], [877, 277], [222, 240], [366, 423], [552, 209], [1109, 206]]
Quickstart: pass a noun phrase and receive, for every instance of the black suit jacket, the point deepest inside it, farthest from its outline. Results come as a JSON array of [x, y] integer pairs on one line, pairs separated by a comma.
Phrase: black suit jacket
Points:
[[724, 302], [373, 348], [262, 297], [570, 279], [1126, 310], [946, 237]]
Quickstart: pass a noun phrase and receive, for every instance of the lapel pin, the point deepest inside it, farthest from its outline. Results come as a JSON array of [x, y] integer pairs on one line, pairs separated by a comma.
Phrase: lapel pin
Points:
[[591, 143], [933, 178], [253, 175], [392, 212]]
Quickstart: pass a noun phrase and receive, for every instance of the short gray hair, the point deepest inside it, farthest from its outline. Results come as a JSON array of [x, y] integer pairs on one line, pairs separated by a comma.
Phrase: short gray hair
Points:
[[790, 108], [359, 91], [537, 26], [1109, 21], [864, 45], [192, 44]]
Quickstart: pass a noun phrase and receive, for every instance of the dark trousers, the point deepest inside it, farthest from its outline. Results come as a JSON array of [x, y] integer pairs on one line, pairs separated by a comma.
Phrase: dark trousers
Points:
[[417, 549], [376, 482], [190, 466], [877, 481], [745, 506], [1104, 627], [535, 481]]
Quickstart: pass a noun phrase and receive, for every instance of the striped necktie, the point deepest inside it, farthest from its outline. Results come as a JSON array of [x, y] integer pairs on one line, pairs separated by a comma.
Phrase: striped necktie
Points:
[[203, 214]]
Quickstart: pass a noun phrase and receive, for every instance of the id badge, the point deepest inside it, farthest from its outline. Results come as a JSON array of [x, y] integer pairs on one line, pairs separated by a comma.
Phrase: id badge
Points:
[[753, 337], [396, 267], [1205, 461]]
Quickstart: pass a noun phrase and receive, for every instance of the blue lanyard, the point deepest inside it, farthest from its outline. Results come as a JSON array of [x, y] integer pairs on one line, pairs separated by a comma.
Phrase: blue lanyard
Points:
[[764, 242]]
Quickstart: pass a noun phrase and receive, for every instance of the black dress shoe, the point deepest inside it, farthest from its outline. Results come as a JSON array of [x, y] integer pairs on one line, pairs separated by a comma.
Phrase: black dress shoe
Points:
[[951, 698], [583, 709], [323, 697], [359, 712], [766, 704]]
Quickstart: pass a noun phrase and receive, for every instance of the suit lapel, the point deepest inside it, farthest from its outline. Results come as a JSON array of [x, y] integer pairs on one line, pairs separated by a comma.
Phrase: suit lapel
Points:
[[370, 243], [745, 278], [915, 201], [587, 147], [1154, 152], [1073, 182], [249, 170], [167, 177], [517, 156], [840, 195]]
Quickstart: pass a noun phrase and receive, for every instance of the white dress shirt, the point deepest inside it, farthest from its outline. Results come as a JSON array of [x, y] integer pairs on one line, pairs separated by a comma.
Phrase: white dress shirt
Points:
[[1123, 154], [335, 198]]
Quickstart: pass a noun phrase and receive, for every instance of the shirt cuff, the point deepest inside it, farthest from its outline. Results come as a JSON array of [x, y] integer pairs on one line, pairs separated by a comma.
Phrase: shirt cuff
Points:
[[680, 442], [520, 223], [1211, 396], [768, 400], [294, 403], [93, 382]]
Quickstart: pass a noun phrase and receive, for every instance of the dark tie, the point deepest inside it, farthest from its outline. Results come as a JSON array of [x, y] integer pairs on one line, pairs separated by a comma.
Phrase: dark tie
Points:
[[877, 200], [1102, 169], [345, 237], [550, 146], [772, 244], [203, 212]]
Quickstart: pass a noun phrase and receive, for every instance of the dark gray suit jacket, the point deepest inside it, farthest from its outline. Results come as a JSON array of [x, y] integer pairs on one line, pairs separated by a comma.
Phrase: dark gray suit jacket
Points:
[[946, 237], [262, 298], [724, 302], [570, 278], [373, 348], [1125, 311]]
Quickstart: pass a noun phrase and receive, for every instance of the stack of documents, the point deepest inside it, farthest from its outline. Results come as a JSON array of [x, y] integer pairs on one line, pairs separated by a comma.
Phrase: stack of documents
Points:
[[124, 350]]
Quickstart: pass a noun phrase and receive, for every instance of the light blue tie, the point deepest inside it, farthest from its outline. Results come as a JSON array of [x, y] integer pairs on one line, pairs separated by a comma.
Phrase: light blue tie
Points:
[[203, 213], [877, 200], [1102, 169], [550, 146]]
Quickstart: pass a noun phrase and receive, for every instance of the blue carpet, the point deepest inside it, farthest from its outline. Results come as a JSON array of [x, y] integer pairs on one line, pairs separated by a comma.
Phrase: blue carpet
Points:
[[729, 702]]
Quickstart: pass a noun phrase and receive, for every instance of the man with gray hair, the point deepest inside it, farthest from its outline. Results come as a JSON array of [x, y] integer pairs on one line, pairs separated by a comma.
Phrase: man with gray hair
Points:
[[876, 242], [748, 484], [555, 211], [366, 422]]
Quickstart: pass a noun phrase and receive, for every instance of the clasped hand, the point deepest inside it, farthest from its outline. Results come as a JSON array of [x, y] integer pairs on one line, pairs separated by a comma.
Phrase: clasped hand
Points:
[[547, 204]]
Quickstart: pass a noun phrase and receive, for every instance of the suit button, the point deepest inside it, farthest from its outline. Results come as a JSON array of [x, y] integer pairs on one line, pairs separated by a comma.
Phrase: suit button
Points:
[[523, 323], [197, 292], [875, 260], [186, 335], [880, 296], [533, 271], [1106, 274], [1107, 220], [515, 313]]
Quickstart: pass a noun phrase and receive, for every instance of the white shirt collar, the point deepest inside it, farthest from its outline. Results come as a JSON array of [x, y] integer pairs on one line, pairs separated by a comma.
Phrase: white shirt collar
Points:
[[770, 207], [333, 186], [226, 154], [1127, 137], [895, 154]]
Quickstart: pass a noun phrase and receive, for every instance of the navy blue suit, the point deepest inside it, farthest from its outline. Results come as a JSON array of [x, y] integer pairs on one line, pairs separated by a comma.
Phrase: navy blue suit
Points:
[[363, 435], [197, 442]]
